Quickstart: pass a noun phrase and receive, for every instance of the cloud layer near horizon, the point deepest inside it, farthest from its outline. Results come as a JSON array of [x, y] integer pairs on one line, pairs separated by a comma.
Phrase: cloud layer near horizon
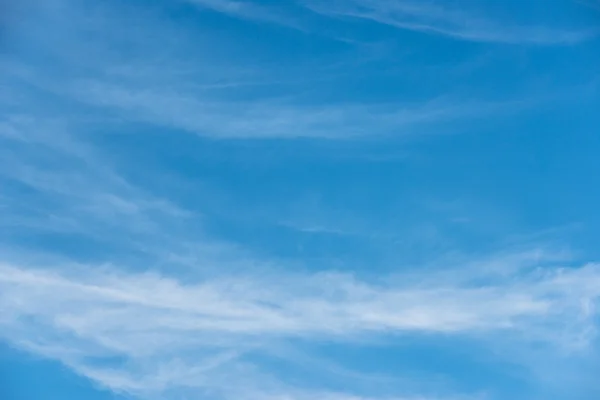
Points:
[[145, 333]]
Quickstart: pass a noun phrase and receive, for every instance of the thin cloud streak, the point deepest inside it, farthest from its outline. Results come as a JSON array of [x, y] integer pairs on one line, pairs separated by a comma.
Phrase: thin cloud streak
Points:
[[178, 106], [131, 320], [428, 17], [263, 118], [159, 92], [149, 322], [248, 11]]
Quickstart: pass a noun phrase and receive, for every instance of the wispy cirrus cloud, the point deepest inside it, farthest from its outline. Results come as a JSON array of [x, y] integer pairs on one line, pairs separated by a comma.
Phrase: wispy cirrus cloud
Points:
[[452, 20], [460, 21], [165, 84], [247, 10], [158, 99], [147, 333], [273, 118], [107, 270]]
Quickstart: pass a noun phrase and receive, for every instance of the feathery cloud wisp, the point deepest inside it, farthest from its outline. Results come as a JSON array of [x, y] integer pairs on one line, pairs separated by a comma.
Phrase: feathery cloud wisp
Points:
[[443, 19], [164, 264], [152, 326]]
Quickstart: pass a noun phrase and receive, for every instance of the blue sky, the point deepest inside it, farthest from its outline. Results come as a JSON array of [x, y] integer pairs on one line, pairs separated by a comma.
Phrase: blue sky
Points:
[[299, 199]]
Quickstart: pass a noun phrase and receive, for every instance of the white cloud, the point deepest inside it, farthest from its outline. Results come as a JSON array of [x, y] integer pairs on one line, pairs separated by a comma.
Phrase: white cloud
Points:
[[443, 19], [436, 17], [147, 333], [166, 79], [272, 118], [202, 330], [244, 10]]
